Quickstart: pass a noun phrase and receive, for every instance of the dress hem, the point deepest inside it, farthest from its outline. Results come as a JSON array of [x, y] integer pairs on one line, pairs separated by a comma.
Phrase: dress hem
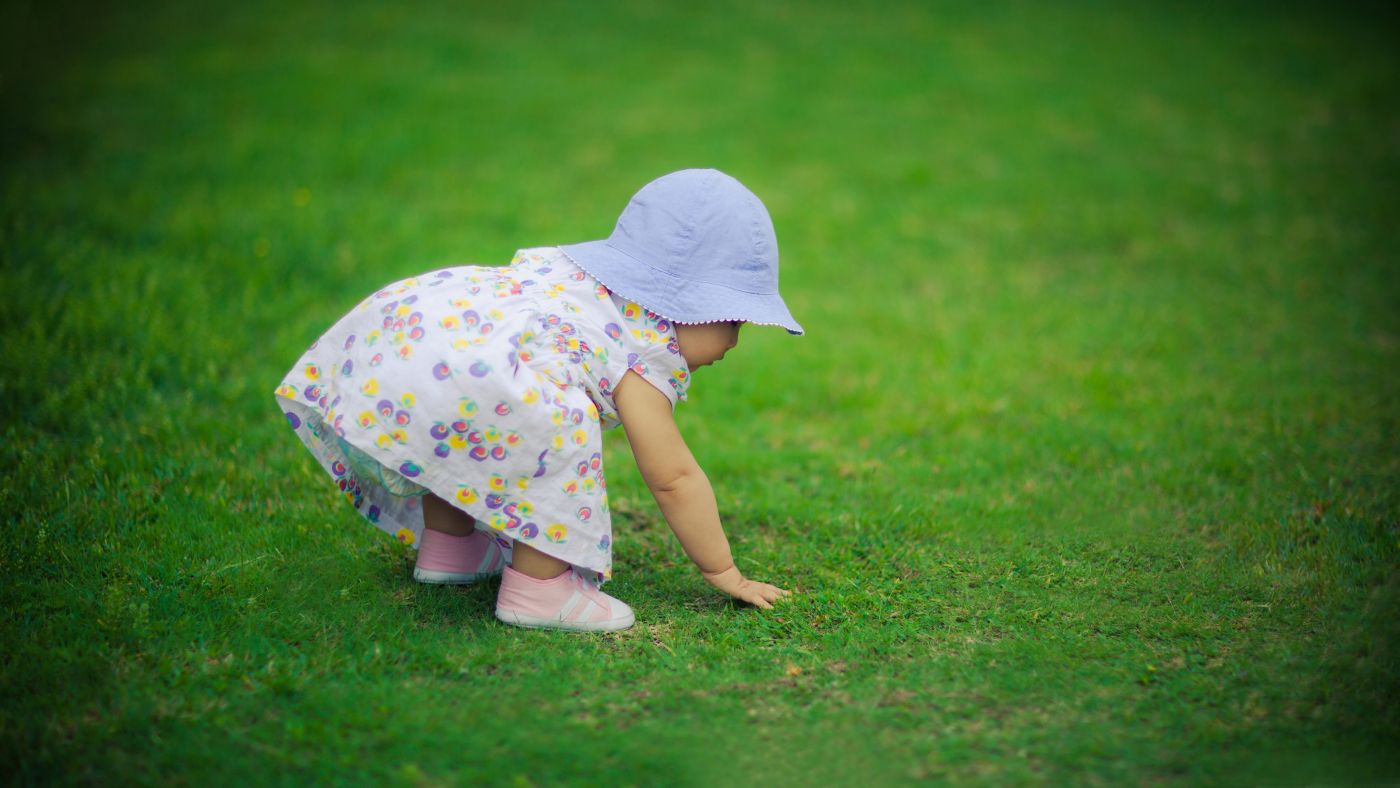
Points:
[[328, 452]]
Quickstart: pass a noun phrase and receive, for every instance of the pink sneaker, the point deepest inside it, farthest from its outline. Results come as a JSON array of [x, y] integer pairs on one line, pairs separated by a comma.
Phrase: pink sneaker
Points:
[[457, 560], [569, 601]]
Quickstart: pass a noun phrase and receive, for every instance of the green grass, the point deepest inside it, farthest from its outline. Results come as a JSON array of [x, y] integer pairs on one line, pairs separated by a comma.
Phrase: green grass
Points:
[[1086, 470]]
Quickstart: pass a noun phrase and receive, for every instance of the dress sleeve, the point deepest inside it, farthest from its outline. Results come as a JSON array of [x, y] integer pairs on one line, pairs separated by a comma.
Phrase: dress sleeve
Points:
[[652, 351]]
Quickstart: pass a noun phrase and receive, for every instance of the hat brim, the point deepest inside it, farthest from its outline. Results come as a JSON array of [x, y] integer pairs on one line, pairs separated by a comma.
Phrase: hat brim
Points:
[[678, 300]]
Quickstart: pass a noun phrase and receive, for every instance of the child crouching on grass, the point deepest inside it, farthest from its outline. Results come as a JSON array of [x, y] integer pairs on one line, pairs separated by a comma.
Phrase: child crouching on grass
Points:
[[462, 410]]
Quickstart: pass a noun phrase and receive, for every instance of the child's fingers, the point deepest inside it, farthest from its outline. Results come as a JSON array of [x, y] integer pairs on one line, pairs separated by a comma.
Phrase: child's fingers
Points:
[[770, 594], [774, 592], [755, 596], [760, 595]]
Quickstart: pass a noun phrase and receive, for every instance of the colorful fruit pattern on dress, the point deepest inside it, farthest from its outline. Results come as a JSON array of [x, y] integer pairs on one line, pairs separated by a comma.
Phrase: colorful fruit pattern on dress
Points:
[[488, 386]]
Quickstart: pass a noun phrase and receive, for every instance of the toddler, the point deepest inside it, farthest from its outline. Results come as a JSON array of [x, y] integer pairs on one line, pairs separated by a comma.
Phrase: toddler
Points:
[[462, 410]]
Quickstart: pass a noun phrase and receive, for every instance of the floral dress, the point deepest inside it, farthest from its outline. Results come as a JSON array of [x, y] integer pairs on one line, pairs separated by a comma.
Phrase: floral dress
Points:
[[490, 388]]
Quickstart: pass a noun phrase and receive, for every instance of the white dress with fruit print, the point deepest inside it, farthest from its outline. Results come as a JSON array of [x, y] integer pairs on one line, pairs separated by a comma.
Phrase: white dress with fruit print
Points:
[[489, 387]]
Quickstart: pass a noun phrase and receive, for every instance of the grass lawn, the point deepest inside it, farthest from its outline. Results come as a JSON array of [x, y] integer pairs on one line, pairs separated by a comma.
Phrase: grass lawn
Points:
[[1087, 470]]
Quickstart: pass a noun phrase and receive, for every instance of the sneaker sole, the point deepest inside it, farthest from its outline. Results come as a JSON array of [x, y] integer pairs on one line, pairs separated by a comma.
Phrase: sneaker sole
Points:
[[449, 578], [536, 622]]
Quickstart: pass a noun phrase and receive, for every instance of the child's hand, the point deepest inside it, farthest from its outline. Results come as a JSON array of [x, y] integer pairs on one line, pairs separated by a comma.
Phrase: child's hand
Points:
[[732, 582], [682, 489]]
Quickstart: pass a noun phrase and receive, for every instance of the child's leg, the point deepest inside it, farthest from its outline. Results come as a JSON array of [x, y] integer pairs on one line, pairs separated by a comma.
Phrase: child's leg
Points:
[[527, 560], [439, 515], [538, 590]]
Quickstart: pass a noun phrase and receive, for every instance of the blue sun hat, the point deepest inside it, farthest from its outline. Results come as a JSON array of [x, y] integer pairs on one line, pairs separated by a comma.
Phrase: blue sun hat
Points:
[[694, 246]]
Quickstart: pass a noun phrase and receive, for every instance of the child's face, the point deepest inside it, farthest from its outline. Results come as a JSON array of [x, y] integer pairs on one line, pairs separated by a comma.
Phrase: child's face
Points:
[[706, 343]]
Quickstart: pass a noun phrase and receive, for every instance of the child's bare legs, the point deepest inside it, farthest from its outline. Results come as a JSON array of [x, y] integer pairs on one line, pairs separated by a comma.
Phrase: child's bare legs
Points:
[[527, 560], [439, 515]]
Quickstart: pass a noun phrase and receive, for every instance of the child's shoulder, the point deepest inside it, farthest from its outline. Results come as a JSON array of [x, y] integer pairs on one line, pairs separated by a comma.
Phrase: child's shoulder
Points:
[[538, 254]]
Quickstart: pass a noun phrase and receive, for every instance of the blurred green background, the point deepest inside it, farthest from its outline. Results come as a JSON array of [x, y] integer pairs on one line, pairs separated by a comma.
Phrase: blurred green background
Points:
[[1086, 469]]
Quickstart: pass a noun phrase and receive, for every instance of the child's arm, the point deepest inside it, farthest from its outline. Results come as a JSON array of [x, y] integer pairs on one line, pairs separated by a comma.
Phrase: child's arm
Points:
[[682, 490]]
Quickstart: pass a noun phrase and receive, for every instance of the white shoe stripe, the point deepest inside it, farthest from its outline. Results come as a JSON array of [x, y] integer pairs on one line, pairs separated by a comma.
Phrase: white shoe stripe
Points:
[[488, 558], [587, 611], [569, 606]]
